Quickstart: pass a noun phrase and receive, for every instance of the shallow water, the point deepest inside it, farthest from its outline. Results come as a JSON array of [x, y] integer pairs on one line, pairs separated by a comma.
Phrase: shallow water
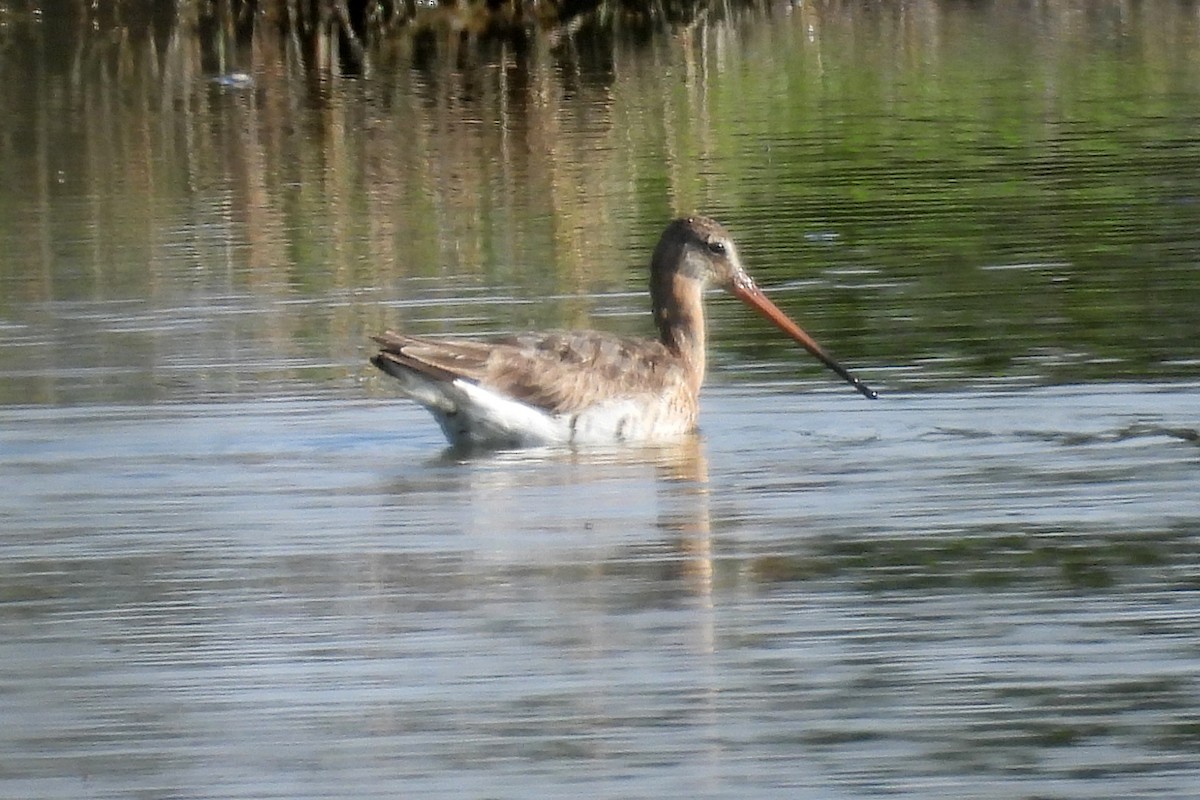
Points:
[[983, 594], [233, 563]]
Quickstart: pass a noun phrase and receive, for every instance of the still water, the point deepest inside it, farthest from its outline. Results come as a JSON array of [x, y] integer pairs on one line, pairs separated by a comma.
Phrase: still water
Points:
[[234, 564]]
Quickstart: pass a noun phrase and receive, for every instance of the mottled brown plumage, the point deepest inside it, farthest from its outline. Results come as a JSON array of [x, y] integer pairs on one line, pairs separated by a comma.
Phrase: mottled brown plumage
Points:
[[573, 386], [560, 372]]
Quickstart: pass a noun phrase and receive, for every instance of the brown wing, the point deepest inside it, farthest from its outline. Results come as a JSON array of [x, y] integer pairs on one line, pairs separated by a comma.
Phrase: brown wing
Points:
[[439, 359], [560, 371]]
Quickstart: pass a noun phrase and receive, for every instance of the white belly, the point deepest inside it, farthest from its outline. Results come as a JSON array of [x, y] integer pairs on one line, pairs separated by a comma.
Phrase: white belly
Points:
[[474, 416]]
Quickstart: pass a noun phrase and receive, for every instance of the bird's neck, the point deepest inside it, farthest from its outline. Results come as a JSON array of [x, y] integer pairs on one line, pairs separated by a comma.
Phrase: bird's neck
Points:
[[679, 314]]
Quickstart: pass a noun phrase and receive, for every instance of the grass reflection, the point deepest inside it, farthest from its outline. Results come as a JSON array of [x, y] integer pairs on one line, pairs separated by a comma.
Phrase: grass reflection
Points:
[[1017, 185]]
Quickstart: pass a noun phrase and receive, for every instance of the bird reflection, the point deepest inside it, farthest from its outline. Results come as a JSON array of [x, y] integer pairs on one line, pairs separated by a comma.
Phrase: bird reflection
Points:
[[683, 511], [639, 512]]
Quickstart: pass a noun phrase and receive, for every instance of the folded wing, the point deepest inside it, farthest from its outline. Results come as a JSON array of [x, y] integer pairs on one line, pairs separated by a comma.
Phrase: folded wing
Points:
[[559, 372]]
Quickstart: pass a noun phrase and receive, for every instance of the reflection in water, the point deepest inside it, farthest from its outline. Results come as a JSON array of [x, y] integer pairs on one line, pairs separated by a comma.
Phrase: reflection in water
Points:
[[950, 193], [225, 573], [907, 598], [684, 511], [581, 553], [568, 499]]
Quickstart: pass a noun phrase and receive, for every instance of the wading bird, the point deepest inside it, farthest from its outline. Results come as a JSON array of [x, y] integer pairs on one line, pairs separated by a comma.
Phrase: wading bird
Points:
[[590, 387]]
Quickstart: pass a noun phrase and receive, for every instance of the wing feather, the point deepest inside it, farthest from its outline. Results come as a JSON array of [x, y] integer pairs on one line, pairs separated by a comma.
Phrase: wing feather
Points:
[[559, 371]]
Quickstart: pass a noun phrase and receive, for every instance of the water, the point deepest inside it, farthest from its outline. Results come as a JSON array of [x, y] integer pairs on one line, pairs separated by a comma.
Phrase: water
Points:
[[234, 564], [957, 595]]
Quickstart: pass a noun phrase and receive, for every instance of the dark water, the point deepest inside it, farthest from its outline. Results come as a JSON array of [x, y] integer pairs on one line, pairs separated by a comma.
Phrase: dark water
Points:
[[234, 564]]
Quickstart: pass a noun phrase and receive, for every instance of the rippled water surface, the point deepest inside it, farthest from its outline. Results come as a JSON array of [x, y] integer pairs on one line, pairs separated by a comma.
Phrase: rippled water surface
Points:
[[234, 563], [981, 594]]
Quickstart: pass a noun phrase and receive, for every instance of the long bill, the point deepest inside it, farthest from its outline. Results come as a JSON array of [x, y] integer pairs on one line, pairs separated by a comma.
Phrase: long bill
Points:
[[745, 290]]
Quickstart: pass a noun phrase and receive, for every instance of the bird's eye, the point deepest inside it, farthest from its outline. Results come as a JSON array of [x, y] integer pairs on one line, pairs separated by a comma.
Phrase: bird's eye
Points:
[[717, 247]]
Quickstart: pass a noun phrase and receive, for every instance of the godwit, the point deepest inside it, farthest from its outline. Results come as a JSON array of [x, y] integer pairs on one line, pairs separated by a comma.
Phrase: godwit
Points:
[[581, 387]]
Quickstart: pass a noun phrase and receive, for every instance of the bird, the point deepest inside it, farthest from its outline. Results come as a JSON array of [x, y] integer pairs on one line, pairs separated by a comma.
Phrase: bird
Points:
[[590, 387]]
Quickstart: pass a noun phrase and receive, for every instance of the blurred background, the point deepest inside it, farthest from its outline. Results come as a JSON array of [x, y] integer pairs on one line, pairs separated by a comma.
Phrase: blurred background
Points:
[[954, 192]]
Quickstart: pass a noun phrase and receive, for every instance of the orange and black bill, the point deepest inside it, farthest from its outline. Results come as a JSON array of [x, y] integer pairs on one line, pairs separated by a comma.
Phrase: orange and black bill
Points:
[[745, 290]]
